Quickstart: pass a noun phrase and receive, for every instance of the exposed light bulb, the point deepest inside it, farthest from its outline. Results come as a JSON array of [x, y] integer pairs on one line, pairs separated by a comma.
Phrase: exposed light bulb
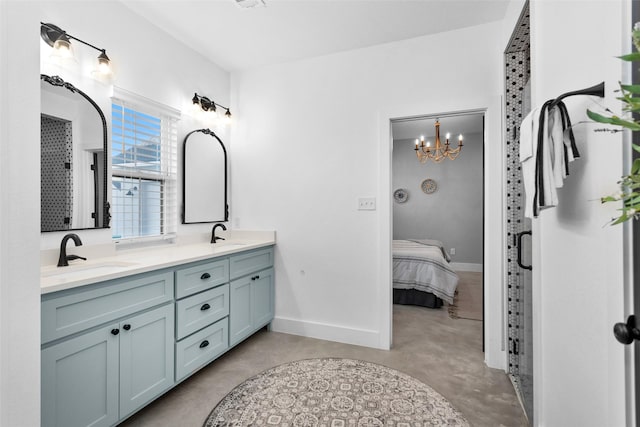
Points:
[[227, 117], [104, 64], [62, 47]]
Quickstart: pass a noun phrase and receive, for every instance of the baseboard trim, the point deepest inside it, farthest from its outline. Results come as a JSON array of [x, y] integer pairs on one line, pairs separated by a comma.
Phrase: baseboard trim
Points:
[[465, 266], [326, 331]]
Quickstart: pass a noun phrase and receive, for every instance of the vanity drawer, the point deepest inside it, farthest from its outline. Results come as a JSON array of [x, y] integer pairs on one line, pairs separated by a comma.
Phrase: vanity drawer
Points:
[[200, 277], [246, 263], [73, 312], [198, 311], [201, 347]]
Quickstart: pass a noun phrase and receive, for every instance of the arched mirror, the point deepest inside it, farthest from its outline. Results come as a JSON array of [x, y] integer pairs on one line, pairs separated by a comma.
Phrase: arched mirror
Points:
[[73, 175], [204, 178]]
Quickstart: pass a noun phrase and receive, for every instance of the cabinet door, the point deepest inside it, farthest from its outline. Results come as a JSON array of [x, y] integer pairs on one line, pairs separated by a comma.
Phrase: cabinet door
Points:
[[146, 357], [240, 318], [80, 380], [262, 298], [251, 304]]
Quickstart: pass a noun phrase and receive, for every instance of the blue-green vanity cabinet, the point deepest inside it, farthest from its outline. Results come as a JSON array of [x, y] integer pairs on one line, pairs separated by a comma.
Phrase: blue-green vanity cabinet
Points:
[[107, 349], [99, 377], [251, 293], [112, 347]]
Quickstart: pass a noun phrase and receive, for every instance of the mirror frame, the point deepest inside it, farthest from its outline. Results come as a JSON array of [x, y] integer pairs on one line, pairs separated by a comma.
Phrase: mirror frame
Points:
[[106, 217], [184, 169]]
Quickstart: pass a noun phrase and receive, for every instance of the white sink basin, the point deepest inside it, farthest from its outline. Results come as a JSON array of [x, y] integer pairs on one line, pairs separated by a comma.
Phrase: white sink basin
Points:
[[79, 270], [228, 246]]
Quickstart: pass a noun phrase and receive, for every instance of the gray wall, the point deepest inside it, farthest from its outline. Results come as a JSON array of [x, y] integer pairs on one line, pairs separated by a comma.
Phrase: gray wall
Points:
[[453, 214]]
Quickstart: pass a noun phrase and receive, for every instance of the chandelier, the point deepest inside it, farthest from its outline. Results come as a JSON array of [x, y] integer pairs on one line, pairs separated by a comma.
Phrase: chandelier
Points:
[[439, 152]]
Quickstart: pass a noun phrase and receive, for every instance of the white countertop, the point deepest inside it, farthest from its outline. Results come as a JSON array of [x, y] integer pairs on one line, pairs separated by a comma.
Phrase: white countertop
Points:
[[113, 264]]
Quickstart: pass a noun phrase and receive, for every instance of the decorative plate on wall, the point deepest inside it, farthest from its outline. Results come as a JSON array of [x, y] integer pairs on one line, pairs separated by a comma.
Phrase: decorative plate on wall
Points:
[[401, 195], [429, 186]]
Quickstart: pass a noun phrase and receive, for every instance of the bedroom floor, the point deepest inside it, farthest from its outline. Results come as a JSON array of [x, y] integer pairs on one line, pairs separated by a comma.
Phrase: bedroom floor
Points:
[[442, 352]]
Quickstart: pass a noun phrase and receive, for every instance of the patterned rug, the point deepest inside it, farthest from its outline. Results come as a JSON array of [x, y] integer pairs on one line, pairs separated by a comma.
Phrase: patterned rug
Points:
[[333, 393]]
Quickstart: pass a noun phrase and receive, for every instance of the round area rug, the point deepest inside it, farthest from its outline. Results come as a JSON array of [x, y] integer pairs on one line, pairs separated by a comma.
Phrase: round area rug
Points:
[[333, 393]]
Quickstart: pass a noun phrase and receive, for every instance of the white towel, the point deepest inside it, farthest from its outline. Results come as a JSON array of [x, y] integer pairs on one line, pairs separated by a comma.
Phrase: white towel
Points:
[[528, 149]]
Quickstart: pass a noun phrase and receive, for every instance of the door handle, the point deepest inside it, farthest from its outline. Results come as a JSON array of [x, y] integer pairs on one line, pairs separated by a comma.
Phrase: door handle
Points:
[[519, 237], [628, 332]]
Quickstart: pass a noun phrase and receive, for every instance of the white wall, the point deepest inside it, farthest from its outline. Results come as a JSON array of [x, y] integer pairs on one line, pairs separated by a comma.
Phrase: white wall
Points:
[[578, 264], [453, 213], [307, 146], [148, 62], [19, 218]]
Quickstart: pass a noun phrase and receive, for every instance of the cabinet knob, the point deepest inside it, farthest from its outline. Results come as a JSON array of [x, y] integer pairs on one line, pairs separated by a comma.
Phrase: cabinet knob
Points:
[[255, 277], [126, 327], [115, 331], [205, 276], [205, 307], [204, 343]]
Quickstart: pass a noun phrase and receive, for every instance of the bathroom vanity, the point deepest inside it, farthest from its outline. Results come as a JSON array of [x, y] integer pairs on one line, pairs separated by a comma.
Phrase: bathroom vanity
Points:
[[117, 333]]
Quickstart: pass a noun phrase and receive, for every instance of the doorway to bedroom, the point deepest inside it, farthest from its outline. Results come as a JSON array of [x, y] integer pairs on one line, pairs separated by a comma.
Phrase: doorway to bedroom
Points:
[[438, 238]]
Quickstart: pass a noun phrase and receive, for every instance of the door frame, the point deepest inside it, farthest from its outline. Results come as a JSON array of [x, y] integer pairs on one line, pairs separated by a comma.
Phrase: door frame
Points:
[[493, 268], [631, 241]]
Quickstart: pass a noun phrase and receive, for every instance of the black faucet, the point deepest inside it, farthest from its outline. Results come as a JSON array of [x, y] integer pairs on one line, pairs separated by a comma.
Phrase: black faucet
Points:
[[64, 259], [214, 238]]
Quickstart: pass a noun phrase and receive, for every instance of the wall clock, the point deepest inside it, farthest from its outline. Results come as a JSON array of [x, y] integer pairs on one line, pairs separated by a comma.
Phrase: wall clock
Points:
[[429, 186], [400, 195]]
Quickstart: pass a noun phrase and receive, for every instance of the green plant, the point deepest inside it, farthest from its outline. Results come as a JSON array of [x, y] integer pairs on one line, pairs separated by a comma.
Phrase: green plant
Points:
[[629, 193]]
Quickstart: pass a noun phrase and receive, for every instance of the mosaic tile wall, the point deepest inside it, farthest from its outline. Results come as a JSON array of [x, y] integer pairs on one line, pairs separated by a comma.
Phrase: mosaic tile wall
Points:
[[56, 176], [517, 74]]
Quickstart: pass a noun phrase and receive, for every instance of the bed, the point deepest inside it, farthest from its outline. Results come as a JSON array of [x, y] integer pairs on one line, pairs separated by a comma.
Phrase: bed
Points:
[[422, 274]]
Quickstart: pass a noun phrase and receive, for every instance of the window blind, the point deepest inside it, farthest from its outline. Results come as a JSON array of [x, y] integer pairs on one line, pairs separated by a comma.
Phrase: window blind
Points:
[[144, 169]]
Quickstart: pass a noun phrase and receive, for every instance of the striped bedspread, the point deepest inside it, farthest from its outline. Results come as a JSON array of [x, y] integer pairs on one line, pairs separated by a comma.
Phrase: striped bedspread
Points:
[[421, 265]]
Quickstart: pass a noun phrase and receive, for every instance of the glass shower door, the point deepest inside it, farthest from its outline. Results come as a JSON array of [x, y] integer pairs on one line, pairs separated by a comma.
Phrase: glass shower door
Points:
[[518, 228]]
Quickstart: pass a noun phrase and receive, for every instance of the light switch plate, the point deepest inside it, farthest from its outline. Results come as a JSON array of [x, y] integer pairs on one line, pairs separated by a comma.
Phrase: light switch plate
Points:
[[367, 204]]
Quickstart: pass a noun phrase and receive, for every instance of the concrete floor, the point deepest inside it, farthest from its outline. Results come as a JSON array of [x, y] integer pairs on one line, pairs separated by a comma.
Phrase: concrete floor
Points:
[[442, 352]]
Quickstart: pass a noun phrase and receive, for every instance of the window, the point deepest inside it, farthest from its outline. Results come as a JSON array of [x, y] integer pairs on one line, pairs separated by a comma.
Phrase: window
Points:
[[143, 167]]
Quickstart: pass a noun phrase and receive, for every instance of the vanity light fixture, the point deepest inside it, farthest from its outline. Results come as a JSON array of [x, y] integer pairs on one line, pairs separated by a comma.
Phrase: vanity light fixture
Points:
[[207, 104], [439, 152], [60, 41]]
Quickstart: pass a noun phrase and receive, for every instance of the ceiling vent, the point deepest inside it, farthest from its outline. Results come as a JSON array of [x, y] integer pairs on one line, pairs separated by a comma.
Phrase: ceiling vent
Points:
[[250, 4]]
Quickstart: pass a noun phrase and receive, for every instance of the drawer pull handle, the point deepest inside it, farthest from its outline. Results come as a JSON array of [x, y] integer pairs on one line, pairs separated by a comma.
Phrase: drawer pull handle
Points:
[[205, 307], [204, 343], [205, 276], [126, 327], [115, 331]]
